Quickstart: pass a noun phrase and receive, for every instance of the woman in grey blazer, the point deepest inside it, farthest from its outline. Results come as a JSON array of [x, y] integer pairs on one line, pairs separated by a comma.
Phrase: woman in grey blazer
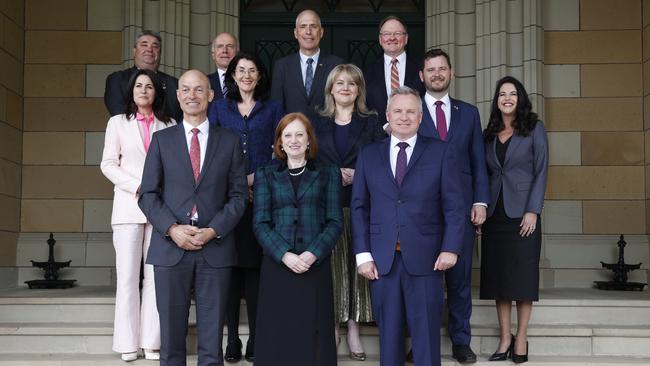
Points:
[[517, 159]]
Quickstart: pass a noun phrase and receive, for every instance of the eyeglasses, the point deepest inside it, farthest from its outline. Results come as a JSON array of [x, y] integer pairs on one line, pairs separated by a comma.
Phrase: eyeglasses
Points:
[[247, 72], [392, 34]]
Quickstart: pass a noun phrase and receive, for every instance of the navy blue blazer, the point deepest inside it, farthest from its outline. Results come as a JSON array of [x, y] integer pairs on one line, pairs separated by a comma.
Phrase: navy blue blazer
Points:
[[522, 178], [117, 84], [168, 193], [215, 84], [376, 84], [426, 214], [256, 132], [363, 130], [288, 88], [465, 137]]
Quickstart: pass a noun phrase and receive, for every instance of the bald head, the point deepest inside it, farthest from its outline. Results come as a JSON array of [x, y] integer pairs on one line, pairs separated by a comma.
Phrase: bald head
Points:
[[308, 32], [224, 48], [194, 95]]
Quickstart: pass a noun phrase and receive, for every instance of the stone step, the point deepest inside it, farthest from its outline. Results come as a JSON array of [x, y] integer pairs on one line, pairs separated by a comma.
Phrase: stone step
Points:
[[113, 360], [568, 340], [556, 307]]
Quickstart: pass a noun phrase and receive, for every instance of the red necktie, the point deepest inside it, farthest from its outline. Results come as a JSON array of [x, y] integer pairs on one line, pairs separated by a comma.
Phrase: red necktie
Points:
[[441, 121], [394, 75], [195, 158], [400, 165]]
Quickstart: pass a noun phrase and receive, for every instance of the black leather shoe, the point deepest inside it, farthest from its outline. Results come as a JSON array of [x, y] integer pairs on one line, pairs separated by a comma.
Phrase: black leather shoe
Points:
[[250, 351], [233, 351], [463, 354], [520, 358], [502, 356]]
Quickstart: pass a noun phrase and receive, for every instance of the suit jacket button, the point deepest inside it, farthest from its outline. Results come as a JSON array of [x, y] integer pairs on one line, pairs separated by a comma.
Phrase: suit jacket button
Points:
[[295, 222]]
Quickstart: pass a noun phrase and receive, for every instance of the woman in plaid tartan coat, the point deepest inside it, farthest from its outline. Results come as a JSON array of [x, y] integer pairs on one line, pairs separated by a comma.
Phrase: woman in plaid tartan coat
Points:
[[297, 220]]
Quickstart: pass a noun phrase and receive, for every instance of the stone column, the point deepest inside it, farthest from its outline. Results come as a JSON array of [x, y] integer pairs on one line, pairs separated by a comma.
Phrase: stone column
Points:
[[487, 40]]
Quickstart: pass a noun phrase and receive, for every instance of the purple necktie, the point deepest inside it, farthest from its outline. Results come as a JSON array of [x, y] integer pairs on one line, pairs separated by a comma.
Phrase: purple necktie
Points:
[[400, 166], [441, 121]]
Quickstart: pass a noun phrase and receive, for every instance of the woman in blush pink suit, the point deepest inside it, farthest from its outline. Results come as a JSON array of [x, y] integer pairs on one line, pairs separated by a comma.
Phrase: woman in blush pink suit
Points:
[[125, 147]]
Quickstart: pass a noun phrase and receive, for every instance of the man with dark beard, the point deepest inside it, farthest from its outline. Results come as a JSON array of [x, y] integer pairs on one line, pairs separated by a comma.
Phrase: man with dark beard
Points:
[[458, 123]]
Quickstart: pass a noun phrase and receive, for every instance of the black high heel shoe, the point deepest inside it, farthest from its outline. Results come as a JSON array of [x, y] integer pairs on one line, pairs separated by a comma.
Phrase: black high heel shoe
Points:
[[502, 356], [520, 358]]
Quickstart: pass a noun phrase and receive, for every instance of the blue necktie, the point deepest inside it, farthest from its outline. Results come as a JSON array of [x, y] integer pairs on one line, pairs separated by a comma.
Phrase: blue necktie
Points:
[[309, 75]]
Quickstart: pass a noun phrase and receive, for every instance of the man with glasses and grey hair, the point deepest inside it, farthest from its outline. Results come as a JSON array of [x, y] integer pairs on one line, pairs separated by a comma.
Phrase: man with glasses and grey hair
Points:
[[394, 69], [146, 55]]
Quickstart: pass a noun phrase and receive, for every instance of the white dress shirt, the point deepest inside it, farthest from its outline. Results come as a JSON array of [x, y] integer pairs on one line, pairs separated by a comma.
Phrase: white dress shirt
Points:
[[303, 64], [446, 108], [365, 257], [401, 69]]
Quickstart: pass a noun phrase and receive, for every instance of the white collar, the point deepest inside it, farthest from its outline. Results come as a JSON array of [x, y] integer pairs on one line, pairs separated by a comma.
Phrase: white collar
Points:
[[411, 141], [401, 59], [204, 127]]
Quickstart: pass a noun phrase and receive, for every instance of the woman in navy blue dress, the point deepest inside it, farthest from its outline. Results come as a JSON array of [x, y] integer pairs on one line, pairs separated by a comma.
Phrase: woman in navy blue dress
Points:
[[342, 128], [246, 111]]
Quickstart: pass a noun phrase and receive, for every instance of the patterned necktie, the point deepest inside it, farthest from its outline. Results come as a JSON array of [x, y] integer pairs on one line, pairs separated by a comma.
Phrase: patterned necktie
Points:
[[394, 75], [224, 90], [400, 166], [441, 121], [195, 158], [145, 122], [309, 75]]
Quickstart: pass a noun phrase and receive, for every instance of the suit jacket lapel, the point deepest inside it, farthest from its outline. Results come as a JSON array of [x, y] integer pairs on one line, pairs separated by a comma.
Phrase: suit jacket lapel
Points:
[[454, 112], [515, 140], [354, 134], [418, 149], [385, 159], [183, 152], [211, 147], [307, 179], [412, 76], [133, 126], [297, 75], [319, 75], [428, 128]]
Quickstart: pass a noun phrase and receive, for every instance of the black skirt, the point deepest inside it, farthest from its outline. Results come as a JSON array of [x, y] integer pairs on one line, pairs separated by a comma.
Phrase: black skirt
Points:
[[295, 316], [509, 262]]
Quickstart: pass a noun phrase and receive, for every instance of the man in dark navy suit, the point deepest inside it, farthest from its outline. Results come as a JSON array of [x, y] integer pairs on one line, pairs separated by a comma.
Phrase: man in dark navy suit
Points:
[[458, 123], [146, 55], [224, 49], [393, 69], [194, 193], [298, 81], [407, 223]]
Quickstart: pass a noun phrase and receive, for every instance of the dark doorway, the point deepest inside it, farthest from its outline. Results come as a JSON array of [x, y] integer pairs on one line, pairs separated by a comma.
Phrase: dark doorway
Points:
[[351, 27]]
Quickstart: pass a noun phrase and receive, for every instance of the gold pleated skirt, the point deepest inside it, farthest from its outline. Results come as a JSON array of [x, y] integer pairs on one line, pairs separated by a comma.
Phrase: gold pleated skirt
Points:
[[351, 291]]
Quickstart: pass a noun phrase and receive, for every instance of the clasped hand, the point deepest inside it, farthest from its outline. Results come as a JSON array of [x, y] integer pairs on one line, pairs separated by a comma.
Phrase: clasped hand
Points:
[[298, 263], [189, 237]]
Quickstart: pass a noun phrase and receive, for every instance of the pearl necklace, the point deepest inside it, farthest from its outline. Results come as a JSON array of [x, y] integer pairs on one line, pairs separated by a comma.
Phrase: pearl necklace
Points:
[[298, 173]]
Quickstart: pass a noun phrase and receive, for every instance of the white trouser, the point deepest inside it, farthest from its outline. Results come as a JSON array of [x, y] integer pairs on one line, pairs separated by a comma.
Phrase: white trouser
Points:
[[136, 325]]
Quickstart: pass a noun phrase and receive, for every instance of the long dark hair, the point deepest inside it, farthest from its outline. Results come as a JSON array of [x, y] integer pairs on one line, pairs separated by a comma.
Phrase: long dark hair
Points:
[[261, 89], [158, 106], [525, 119]]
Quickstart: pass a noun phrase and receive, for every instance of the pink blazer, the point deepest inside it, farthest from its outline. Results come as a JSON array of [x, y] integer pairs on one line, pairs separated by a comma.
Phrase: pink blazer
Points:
[[122, 163]]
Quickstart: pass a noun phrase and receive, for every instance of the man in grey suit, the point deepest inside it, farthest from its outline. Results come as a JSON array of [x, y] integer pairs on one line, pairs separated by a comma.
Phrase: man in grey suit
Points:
[[298, 81], [193, 192]]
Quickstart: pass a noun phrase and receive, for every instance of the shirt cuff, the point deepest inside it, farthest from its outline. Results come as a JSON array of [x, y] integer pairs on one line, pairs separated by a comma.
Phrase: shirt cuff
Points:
[[364, 257], [480, 204]]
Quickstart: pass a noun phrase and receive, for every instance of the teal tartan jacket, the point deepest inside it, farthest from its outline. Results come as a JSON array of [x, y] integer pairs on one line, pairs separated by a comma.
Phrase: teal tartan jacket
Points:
[[309, 220]]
